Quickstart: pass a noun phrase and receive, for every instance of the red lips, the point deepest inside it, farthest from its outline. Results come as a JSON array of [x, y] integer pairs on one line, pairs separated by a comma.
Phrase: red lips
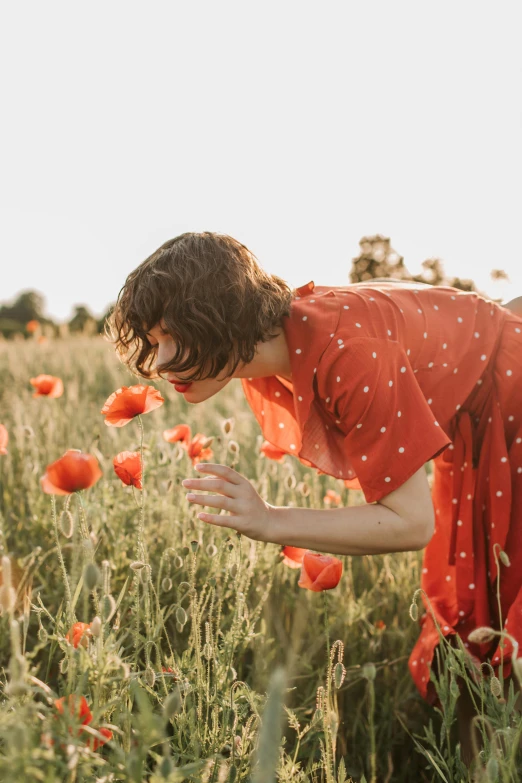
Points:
[[181, 387]]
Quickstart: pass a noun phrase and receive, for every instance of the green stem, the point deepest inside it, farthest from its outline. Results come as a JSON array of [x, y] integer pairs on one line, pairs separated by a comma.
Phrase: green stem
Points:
[[68, 595]]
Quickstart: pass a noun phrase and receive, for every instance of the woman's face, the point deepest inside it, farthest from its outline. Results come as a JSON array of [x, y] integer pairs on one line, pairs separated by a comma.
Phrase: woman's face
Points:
[[198, 390]]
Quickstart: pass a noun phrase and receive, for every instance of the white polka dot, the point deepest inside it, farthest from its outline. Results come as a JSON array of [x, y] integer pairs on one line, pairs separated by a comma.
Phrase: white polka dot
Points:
[[435, 307], [444, 345], [364, 458], [461, 613], [262, 413], [518, 440], [446, 628], [305, 317], [499, 493], [469, 497], [387, 478], [340, 340], [483, 357], [332, 334], [457, 407], [430, 364], [300, 399], [476, 334], [316, 445], [503, 459], [519, 470], [366, 389], [358, 325], [312, 300], [456, 370], [459, 522], [374, 355], [292, 446], [298, 350], [448, 578], [346, 307], [509, 372], [479, 382], [401, 450], [424, 570], [453, 297], [430, 401], [383, 429], [471, 586], [389, 332], [338, 378], [403, 369], [517, 330], [419, 310], [390, 383], [407, 353], [359, 426], [277, 394], [399, 414], [511, 418], [459, 319], [445, 364], [414, 663], [281, 424], [463, 554], [425, 335], [455, 501], [338, 421], [436, 423]]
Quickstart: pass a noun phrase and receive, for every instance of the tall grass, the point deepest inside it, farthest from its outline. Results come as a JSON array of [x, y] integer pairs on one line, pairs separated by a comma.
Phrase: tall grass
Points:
[[208, 662]]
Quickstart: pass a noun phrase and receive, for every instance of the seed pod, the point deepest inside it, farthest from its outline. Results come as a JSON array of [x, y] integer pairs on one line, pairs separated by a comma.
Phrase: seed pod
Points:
[[179, 628], [226, 426], [43, 635], [178, 562], [181, 615], [303, 488], [91, 576], [96, 626], [233, 447], [144, 574], [232, 774], [339, 673], [207, 651], [414, 611], [194, 545], [108, 607], [290, 481], [64, 665], [234, 568], [186, 550], [505, 559], [166, 584], [172, 703], [137, 565], [496, 687], [150, 677], [212, 581], [211, 550], [232, 718], [492, 770], [369, 671], [66, 523], [231, 674], [481, 635]]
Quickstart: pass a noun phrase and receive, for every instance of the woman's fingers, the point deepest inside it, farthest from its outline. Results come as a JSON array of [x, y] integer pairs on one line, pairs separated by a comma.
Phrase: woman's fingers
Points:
[[212, 485], [216, 501]]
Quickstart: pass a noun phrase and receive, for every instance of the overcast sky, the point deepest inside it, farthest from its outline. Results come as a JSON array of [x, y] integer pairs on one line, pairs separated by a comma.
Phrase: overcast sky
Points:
[[296, 127]]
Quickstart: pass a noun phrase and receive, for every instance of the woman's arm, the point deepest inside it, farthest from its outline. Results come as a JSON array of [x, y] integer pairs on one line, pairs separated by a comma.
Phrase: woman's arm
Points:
[[403, 521], [515, 305]]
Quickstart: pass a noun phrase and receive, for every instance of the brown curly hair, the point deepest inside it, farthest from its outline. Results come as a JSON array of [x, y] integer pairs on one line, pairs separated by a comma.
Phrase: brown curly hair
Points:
[[215, 299]]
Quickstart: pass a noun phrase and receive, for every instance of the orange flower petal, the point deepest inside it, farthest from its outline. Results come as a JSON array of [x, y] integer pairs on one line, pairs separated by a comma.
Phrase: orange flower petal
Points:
[[127, 466], [181, 432], [320, 572], [272, 452], [293, 556], [130, 401], [79, 633], [47, 386], [72, 472], [80, 709]]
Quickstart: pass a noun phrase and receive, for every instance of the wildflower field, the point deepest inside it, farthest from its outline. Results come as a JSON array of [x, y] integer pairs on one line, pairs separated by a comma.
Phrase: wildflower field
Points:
[[139, 643]]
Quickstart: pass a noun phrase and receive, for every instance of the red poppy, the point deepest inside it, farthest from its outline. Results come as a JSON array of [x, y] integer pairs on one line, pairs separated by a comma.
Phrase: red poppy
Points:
[[83, 712], [272, 452], [32, 326], [72, 472], [181, 432], [4, 438], [320, 572], [198, 450], [47, 386], [332, 498], [380, 624], [130, 401], [293, 556], [127, 465], [80, 633]]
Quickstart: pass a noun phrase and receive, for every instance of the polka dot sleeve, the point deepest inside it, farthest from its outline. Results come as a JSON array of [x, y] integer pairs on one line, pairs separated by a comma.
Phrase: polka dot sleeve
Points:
[[389, 429]]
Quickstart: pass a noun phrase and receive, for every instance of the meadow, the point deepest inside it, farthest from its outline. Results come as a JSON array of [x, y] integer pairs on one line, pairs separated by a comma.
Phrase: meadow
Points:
[[200, 658]]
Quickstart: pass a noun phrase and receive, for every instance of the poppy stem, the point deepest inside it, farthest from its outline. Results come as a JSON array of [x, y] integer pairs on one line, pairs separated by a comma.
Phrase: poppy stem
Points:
[[326, 717], [68, 595]]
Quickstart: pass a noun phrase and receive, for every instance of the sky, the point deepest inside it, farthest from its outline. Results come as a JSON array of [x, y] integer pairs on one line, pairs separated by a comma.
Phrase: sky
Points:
[[296, 128]]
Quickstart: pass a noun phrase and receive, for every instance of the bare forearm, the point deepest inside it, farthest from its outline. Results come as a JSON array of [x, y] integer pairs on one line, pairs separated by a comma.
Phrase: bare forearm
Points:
[[371, 529]]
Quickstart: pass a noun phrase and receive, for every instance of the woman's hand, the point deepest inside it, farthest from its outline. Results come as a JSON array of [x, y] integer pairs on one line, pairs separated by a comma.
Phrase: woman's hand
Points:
[[249, 514]]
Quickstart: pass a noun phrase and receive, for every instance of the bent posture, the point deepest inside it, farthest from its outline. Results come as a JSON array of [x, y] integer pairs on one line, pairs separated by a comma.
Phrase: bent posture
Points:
[[366, 383]]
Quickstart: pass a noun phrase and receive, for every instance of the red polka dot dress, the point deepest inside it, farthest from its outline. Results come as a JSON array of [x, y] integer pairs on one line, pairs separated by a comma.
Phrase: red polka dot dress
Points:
[[388, 376]]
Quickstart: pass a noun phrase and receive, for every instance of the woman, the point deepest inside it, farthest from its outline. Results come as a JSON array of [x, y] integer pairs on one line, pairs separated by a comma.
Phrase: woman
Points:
[[366, 383]]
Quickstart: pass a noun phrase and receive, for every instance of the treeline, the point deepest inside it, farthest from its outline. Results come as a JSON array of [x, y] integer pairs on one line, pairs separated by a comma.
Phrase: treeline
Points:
[[377, 259]]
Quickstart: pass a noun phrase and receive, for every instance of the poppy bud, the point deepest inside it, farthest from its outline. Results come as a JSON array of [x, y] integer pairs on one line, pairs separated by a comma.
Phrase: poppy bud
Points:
[[186, 550], [226, 426], [207, 651], [166, 584], [496, 687], [181, 615], [178, 562], [194, 545], [96, 626], [172, 703], [369, 671], [211, 550], [233, 447], [108, 607], [234, 568], [339, 674], [137, 565], [231, 674], [43, 636], [91, 576], [505, 559], [179, 628], [481, 635], [150, 677], [492, 770]]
